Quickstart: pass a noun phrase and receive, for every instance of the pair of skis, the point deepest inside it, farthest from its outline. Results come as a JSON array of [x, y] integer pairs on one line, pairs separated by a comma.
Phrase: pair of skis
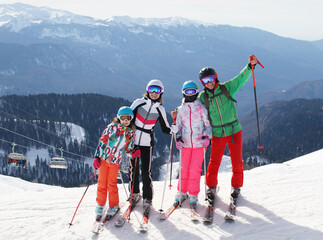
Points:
[[144, 226], [230, 215], [171, 209], [98, 226]]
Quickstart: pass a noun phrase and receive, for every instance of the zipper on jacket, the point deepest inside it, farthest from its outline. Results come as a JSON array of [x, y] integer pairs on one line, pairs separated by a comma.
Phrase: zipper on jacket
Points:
[[217, 105], [145, 123], [191, 125]]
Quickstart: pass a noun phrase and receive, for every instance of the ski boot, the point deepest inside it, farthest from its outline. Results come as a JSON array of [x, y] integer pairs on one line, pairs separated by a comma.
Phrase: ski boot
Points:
[[135, 198], [179, 198], [210, 195], [98, 212], [193, 201], [146, 207], [235, 192]]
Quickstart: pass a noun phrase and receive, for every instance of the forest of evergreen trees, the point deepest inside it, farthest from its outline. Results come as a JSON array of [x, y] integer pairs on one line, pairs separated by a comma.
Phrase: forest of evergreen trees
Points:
[[290, 129], [39, 116]]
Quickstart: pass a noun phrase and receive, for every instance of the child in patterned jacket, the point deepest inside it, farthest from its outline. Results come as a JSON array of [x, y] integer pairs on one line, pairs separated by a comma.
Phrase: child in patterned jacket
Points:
[[116, 140], [192, 139]]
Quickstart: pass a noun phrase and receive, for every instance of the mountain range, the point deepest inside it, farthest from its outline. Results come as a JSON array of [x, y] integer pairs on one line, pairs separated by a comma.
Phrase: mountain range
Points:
[[44, 50]]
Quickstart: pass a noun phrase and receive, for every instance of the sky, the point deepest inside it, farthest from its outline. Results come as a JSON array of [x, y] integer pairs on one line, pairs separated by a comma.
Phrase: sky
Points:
[[298, 19]]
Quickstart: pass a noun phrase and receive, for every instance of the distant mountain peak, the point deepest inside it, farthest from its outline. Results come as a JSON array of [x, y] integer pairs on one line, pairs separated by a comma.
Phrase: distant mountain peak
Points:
[[161, 22], [18, 16]]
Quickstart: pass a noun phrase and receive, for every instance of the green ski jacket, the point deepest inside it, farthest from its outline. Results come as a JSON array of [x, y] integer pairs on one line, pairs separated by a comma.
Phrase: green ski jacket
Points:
[[222, 111]]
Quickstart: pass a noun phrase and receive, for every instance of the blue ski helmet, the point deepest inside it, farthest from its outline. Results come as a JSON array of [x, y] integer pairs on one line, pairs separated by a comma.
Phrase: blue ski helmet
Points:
[[125, 111], [190, 84]]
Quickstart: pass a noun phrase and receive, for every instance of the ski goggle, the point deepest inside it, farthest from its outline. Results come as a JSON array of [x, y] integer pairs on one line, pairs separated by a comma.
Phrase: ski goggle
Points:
[[155, 89], [207, 79], [125, 118], [189, 91]]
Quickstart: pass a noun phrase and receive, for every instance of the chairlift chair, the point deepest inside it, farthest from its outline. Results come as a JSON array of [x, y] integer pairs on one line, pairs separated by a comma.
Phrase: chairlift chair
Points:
[[17, 159], [58, 162]]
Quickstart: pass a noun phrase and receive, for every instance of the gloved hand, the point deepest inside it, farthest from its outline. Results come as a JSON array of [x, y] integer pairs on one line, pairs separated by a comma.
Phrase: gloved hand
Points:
[[205, 141], [173, 129], [179, 143], [252, 60], [97, 163], [136, 153]]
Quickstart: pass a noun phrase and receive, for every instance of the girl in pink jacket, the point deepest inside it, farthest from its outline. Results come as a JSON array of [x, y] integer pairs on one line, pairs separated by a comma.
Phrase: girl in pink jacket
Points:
[[192, 139]]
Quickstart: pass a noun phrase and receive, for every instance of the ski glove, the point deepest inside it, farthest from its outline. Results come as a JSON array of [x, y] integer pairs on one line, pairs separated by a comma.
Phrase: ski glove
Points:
[[205, 141], [173, 129], [136, 153], [97, 163], [179, 143]]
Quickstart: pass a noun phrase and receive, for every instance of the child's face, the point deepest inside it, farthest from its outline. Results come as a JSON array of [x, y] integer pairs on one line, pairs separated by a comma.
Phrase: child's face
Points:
[[125, 123], [154, 95], [125, 120]]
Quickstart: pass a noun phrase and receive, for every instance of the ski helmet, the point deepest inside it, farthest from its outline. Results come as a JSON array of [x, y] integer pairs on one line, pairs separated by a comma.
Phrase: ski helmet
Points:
[[207, 71], [125, 111], [190, 84], [155, 82]]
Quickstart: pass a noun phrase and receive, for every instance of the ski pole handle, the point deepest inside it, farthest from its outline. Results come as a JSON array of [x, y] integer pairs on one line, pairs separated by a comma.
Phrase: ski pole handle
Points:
[[252, 57]]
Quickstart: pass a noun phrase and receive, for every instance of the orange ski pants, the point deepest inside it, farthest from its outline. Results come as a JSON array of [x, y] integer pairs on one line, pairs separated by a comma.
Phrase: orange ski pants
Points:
[[107, 182]]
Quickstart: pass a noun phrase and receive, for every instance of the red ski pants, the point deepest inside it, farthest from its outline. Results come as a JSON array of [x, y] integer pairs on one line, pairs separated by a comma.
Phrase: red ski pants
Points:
[[107, 182], [217, 150]]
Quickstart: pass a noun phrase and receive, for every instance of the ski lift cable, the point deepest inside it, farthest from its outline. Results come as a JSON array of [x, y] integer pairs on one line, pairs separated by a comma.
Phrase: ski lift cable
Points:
[[25, 121], [2, 100], [21, 135], [34, 116], [51, 154]]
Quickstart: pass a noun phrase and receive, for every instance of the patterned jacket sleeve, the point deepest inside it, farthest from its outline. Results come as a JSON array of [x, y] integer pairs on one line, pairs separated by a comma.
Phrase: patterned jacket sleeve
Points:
[[130, 145], [108, 132]]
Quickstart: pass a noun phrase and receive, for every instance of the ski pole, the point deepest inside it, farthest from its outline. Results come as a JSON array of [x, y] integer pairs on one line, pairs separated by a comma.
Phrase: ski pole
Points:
[[71, 223], [171, 162], [204, 150], [123, 184], [256, 103], [132, 185], [171, 143], [172, 154]]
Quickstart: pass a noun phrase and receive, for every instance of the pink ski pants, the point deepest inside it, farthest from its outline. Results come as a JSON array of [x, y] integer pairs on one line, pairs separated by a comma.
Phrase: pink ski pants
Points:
[[191, 159]]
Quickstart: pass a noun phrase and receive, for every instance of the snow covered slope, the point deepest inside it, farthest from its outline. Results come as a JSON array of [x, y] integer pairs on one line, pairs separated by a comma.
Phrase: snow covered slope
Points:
[[279, 201]]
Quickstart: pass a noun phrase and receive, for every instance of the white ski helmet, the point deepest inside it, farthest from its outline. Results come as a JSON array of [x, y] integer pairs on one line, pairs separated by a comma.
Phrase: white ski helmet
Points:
[[155, 82]]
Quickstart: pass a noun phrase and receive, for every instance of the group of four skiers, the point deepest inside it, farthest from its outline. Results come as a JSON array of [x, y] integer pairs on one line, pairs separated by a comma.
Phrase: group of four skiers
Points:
[[210, 116]]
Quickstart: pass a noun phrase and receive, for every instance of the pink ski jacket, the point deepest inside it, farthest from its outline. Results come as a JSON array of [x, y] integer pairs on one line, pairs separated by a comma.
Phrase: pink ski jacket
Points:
[[193, 123]]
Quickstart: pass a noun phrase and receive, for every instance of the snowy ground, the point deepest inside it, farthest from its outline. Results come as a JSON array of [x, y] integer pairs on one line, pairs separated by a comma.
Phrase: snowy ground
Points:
[[279, 201]]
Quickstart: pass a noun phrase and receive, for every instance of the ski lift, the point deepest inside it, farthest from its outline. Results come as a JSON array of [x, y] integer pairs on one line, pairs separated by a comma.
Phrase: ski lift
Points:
[[17, 159], [58, 162]]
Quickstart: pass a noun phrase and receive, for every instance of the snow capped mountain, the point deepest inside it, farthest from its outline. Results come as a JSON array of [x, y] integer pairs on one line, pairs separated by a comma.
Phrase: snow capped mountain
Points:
[[160, 22], [18, 16], [278, 201]]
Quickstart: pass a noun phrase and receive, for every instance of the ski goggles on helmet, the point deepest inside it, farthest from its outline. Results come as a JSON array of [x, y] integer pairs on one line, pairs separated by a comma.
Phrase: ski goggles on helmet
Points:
[[207, 79], [155, 89], [189, 91], [125, 118]]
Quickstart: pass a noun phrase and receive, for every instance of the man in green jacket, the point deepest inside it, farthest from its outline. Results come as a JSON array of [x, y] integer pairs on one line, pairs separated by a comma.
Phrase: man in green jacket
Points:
[[226, 128]]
